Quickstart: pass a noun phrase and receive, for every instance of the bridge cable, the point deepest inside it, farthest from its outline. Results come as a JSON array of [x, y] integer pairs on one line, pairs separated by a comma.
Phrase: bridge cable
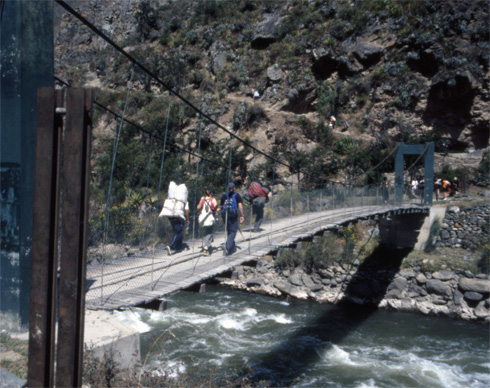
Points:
[[197, 177], [149, 168], [163, 156], [252, 225], [416, 160], [117, 135], [228, 181], [148, 181], [178, 166], [379, 164], [272, 194], [141, 129]]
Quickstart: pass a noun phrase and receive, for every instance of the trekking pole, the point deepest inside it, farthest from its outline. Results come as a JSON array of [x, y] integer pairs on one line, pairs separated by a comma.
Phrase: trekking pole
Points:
[[240, 230]]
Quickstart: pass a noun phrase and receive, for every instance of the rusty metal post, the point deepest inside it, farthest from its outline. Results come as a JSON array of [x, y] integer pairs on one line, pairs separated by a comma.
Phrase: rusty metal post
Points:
[[45, 239], [76, 172]]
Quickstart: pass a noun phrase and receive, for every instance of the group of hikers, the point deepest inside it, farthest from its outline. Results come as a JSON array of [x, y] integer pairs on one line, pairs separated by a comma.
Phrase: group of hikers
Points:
[[230, 207], [442, 187]]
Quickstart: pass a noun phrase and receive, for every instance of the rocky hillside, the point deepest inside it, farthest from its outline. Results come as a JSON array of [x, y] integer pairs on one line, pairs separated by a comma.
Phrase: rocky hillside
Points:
[[410, 71]]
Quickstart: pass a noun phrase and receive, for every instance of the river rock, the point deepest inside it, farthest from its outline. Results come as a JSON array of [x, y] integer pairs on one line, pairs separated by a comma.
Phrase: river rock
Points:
[[298, 293], [443, 275], [399, 284], [458, 297], [476, 285], [307, 281], [481, 311], [267, 290], [316, 287], [473, 296], [407, 273], [439, 302], [421, 279], [283, 286], [435, 286], [255, 282], [296, 280], [325, 273], [424, 307]]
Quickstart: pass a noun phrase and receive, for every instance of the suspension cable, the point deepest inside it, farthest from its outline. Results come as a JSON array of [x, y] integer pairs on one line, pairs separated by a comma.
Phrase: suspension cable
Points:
[[170, 143], [379, 164], [149, 168], [163, 154], [416, 160], [197, 177], [116, 142], [178, 166]]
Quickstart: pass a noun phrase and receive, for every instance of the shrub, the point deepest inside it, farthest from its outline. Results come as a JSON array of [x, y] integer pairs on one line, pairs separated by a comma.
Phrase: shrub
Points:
[[484, 262], [484, 166], [146, 20], [345, 146], [326, 100]]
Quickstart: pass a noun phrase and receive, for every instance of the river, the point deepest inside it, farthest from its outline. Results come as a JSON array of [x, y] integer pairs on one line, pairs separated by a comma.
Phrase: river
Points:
[[306, 344]]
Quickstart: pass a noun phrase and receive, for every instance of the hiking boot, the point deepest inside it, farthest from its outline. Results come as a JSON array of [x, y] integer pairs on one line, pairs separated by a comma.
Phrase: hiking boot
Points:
[[169, 251]]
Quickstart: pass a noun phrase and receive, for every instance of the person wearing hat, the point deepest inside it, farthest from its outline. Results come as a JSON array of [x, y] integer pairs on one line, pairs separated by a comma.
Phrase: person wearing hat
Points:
[[208, 206], [234, 202]]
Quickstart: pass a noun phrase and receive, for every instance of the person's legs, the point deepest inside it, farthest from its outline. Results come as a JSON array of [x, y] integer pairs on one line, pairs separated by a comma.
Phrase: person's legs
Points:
[[208, 237], [232, 229], [259, 212], [178, 228]]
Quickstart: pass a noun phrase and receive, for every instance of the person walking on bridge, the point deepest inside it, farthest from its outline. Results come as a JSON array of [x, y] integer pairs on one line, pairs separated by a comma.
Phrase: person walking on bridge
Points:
[[208, 206], [385, 190], [259, 196], [231, 205]]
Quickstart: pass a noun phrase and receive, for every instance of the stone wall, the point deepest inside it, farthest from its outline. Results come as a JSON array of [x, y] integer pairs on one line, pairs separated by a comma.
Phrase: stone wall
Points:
[[444, 293], [465, 227]]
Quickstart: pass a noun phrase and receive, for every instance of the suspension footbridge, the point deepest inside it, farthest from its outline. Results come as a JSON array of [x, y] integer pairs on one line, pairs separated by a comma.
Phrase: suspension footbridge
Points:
[[142, 278]]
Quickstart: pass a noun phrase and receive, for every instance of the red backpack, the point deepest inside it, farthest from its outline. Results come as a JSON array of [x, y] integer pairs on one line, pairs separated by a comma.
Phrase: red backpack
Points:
[[256, 190]]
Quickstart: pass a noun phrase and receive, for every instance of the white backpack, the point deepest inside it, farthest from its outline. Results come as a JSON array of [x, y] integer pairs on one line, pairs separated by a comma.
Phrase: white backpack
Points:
[[206, 217]]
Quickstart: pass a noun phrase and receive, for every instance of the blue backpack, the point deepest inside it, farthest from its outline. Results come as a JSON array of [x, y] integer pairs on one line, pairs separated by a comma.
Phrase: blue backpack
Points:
[[230, 206]]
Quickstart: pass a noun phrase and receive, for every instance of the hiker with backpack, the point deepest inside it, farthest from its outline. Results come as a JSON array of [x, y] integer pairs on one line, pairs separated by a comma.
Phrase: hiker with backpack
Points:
[[176, 209], [258, 195], [207, 218], [231, 205]]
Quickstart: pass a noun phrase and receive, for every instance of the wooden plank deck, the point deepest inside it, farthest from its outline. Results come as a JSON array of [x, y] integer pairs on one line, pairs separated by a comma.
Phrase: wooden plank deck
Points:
[[135, 280]]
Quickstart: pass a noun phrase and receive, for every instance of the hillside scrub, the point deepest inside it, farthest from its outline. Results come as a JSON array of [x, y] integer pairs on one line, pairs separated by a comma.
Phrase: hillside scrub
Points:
[[396, 70]]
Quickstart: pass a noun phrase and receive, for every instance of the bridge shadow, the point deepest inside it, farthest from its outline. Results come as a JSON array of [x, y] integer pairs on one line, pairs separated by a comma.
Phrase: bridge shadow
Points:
[[284, 364]]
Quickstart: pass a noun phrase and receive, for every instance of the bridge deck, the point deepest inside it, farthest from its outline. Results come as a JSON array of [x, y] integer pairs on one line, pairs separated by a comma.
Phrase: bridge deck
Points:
[[134, 280]]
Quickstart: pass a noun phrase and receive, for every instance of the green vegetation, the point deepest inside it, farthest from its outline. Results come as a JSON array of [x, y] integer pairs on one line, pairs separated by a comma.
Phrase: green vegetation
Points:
[[484, 167], [326, 104], [17, 365], [342, 248]]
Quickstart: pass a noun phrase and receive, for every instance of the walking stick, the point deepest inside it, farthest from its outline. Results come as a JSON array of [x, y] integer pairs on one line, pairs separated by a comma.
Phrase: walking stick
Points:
[[241, 233]]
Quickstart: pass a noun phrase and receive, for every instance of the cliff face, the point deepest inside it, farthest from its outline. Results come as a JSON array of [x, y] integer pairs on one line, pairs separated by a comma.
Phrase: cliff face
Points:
[[395, 70]]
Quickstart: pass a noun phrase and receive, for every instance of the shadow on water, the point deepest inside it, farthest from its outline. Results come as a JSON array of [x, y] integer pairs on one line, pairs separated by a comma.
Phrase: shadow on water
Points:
[[284, 364]]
